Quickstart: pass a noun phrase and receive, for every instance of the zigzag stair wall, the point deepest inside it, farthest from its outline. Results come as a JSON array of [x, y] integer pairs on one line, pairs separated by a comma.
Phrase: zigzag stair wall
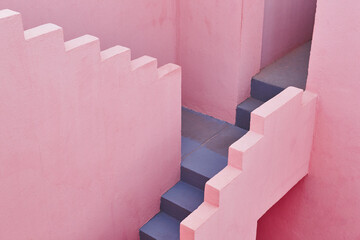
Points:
[[263, 166], [90, 138]]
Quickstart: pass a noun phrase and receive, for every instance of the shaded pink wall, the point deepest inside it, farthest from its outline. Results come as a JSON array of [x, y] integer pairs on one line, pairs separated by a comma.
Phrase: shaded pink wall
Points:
[[145, 26], [89, 140], [287, 25], [326, 205], [263, 166], [219, 52]]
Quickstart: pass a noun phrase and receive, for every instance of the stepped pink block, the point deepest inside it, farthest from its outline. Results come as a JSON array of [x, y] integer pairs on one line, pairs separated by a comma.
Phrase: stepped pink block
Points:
[[148, 27], [89, 140], [326, 205], [263, 166]]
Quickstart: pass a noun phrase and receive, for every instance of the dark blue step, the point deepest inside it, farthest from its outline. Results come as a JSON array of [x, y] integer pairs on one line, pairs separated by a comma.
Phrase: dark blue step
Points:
[[188, 145], [243, 112], [200, 166], [224, 139], [161, 227], [199, 127], [181, 200], [290, 70], [264, 91]]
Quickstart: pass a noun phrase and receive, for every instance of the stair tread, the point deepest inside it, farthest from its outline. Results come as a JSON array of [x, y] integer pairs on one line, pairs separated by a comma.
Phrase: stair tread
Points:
[[199, 127], [161, 227], [250, 104], [205, 162], [184, 195], [290, 70], [222, 141], [188, 145]]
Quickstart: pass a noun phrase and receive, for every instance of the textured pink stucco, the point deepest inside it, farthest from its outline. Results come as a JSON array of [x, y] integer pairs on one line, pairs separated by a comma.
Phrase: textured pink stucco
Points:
[[287, 25], [89, 140], [263, 166], [219, 49], [218, 44], [326, 205], [146, 26]]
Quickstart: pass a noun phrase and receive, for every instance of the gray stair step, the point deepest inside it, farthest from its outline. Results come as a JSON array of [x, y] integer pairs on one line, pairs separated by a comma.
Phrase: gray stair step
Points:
[[200, 166], [181, 200], [199, 127], [161, 227], [264, 91], [243, 112], [224, 139], [188, 145]]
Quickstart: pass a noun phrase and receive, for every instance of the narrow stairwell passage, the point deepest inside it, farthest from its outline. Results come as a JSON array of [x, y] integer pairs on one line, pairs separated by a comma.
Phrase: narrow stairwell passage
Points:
[[206, 140], [290, 70], [204, 151]]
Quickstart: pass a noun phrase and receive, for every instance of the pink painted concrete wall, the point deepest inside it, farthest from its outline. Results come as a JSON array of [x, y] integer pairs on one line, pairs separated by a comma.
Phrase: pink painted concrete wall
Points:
[[219, 52], [263, 166], [287, 25], [148, 27], [326, 204], [89, 140], [218, 45]]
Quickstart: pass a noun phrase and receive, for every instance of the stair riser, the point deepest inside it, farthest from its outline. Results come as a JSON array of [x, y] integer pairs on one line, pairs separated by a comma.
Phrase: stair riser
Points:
[[243, 118], [193, 178], [264, 91], [173, 210], [144, 236]]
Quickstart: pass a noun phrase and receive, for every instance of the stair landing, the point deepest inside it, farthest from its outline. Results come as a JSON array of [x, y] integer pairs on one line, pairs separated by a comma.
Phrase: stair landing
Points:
[[290, 70]]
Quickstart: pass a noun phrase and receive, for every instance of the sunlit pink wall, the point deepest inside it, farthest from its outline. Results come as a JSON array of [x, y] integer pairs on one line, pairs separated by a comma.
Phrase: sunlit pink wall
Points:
[[326, 205], [89, 140], [145, 26], [287, 24]]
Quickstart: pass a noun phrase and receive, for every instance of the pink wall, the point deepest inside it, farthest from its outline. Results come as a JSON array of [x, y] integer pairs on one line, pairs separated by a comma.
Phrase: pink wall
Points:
[[263, 166], [222, 46], [326, 204], [287, 25], [88, 140], [145, 26], [218, 45], [219, 52]]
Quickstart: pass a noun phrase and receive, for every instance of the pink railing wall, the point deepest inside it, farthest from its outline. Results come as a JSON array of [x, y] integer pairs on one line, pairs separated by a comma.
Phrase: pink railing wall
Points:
[[326, 204], [148, 27], [89, 140], [263, 166]]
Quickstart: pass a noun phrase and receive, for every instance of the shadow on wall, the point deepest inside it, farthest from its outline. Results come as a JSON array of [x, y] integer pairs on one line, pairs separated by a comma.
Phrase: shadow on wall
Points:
[[287, 25]]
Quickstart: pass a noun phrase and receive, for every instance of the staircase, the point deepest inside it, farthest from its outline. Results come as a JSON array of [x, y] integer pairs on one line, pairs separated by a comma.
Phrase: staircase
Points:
[[291, 70], [205, 144]]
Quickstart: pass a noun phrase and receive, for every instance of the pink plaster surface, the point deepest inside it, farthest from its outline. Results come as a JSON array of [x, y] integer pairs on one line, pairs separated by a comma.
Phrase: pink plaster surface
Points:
[[219, 49], [263, 166], [220, 45], [326, 205], [287, 25], [148, 27], [89, 140]]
